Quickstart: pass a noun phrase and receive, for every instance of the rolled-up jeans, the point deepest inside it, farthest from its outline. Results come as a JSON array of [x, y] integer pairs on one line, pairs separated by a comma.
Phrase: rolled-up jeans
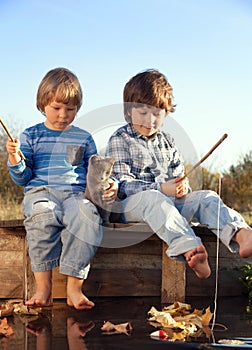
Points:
[[170, 218], [62, 229]]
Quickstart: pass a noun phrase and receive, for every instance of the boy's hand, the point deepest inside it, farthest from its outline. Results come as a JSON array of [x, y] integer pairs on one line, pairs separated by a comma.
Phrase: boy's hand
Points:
[[13, 149], [175, 188], [182, 186], [111, 193]]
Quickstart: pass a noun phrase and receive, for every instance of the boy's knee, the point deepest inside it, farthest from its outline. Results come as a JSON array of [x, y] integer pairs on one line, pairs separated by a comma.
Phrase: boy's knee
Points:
[[155, 198], [211, 195]]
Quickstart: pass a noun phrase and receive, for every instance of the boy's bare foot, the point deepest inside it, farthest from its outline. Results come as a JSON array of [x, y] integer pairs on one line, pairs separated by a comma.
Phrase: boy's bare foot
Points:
[[75, 297], [39, 299], [42, 296], [197, 261], [80, 302], [244, 238]]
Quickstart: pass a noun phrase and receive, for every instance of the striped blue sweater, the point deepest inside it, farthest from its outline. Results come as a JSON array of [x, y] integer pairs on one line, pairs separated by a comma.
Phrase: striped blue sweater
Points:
[[55, 158]]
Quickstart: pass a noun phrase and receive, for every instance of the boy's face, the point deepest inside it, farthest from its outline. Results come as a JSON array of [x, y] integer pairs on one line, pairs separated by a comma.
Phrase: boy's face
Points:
[[59, 115], [147, 120]]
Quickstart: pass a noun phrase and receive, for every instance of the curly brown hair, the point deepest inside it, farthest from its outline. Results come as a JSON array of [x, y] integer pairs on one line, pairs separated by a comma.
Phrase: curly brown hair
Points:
[[149, 87]]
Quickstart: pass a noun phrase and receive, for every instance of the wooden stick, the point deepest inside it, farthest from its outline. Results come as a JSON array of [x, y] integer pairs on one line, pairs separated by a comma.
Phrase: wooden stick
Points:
[[11, 137], [205, 156]]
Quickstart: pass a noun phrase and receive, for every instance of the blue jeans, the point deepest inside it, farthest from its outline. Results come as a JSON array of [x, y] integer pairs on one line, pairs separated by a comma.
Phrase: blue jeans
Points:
[[63, 229], [169, 218]]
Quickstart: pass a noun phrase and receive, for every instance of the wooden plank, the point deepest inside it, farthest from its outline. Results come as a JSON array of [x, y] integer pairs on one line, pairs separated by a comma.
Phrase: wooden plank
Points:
[[151, 246], [134, 226], [12, 223], [11, 258], [125, 235], [135, 282], [228, 284], [108, 283], [11, 243], [59, 285], [10, 227], [173, 279], [123, 261], [11, 285]]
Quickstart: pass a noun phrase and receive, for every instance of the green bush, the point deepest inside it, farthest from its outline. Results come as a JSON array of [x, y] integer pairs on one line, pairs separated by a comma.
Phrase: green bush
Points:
[[246, 279]]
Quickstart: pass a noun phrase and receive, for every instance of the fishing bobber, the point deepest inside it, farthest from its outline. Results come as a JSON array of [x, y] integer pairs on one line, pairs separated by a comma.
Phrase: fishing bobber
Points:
[[160, 334]]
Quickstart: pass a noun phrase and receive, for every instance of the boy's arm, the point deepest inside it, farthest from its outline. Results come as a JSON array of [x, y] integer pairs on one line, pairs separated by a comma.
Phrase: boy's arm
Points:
[[19, 171], [90, 150]]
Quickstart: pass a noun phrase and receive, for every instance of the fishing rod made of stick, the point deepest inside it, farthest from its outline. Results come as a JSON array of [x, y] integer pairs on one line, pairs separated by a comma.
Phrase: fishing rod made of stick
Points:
[[205, 156], [11, 137]]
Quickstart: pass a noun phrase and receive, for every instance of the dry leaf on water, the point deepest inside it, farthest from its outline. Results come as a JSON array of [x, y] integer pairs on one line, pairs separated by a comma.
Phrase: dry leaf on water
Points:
[[20, 308], [5, 329], [111, 328], [179, 321], [6, 309]]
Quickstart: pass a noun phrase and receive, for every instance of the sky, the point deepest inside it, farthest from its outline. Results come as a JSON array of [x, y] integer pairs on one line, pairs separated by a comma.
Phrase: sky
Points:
[[203, 47]]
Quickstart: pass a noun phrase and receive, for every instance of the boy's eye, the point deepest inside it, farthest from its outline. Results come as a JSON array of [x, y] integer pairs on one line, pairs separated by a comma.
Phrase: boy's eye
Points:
[[142, 112]]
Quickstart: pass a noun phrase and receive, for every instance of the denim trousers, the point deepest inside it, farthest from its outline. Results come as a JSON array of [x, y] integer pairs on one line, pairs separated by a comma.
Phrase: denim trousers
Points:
[[170, 218], [62, 229]]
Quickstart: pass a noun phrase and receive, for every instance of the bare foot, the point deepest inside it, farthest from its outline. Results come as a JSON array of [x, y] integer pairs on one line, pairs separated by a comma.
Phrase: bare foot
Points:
[[42, 296], [197, 261], [244, 238], [80, 302], [39, 299], [75, 297]]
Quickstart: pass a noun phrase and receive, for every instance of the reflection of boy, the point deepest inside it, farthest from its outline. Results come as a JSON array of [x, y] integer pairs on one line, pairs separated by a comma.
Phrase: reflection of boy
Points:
[[76, 331], [42, 328], [150, 170], [63, 229]]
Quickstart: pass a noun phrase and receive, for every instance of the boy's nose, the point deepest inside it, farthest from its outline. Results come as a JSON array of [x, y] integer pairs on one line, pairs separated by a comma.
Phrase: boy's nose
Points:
[[62, 113], [150, 120]]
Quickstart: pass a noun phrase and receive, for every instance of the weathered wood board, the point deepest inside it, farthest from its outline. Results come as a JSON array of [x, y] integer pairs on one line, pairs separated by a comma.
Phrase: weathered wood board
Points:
[[119, 269]]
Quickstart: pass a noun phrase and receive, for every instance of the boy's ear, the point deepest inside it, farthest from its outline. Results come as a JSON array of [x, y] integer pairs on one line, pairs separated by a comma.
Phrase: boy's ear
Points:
[[128, 117]]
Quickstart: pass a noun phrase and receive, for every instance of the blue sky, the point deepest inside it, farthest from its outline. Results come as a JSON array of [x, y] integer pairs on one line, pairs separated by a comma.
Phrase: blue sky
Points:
[[204, 47]]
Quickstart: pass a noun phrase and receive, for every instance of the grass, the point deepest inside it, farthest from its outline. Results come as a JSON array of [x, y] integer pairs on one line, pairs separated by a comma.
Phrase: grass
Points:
[[10, 210], [248, 217]]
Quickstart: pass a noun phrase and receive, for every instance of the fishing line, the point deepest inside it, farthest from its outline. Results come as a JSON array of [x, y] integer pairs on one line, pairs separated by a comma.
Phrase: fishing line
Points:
[[217, 256]]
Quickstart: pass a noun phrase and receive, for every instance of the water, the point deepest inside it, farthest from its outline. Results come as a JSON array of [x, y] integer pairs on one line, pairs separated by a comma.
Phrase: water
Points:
[[61, 327]]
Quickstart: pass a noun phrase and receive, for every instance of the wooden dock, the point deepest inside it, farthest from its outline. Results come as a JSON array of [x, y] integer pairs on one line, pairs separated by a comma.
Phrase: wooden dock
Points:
[[130, 262]]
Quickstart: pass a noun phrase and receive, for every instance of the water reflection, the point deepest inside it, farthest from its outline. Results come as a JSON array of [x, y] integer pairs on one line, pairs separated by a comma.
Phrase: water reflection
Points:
[[42, 328], [63, 328], [76, 331]]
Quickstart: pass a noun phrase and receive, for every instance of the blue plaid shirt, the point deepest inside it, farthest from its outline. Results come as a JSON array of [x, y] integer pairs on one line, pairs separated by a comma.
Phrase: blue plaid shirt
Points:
[[141, 163]]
